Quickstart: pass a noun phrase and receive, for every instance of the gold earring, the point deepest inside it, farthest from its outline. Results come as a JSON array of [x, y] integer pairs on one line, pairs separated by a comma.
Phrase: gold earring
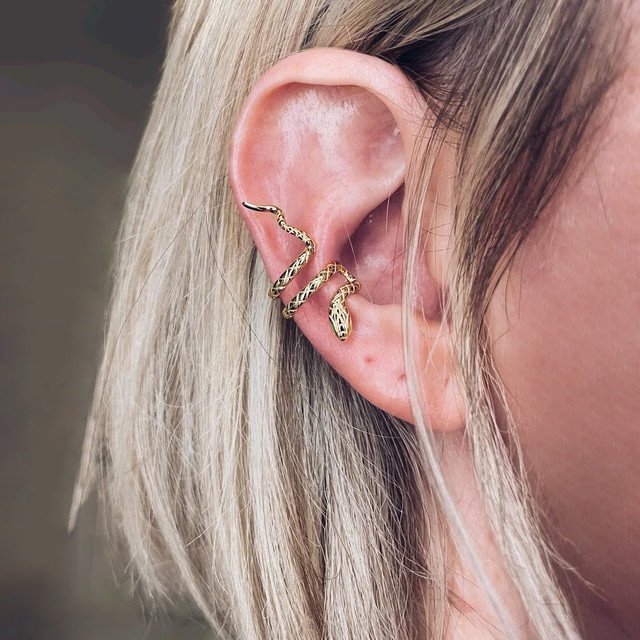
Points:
[[339, 315]]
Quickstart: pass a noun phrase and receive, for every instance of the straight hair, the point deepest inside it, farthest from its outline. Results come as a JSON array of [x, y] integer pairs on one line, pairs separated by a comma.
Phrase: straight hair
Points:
[[240, 472]]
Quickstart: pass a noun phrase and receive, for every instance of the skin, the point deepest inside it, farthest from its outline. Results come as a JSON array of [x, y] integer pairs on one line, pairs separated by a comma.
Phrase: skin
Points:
[[566, 342], [564, 320], [345, 125]]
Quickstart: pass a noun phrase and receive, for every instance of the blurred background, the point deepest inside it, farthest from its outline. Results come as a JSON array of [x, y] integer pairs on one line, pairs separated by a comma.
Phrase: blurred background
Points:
[[76, 81]]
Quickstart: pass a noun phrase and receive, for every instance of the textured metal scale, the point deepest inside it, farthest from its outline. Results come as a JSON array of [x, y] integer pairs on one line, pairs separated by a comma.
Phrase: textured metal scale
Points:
[[339, 316]]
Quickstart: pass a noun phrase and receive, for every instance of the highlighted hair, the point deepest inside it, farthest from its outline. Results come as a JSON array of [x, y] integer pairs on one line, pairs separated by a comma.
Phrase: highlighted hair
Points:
[[241, 472]]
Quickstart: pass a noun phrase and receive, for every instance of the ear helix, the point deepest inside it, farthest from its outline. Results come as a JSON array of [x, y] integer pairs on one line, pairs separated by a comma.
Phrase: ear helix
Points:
[[339, 315]]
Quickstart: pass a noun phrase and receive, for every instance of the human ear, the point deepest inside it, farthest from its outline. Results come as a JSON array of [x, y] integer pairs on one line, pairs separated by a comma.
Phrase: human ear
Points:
[[325, 135]]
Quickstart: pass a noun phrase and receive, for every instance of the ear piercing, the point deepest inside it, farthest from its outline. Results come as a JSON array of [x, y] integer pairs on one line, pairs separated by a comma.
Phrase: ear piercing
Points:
[[339, 315]]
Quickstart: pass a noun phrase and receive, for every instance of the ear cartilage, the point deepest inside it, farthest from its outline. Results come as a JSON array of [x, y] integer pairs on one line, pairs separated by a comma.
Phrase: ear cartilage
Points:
[[339, 315]]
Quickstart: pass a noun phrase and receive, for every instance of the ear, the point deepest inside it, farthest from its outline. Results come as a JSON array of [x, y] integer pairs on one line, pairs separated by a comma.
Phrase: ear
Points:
[[325, 135]]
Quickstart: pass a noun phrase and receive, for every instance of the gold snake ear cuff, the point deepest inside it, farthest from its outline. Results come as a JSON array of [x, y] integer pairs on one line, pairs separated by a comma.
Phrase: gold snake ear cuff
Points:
[[339, 315]]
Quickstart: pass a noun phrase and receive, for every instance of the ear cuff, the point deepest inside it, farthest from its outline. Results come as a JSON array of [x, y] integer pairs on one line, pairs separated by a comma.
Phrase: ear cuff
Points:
[[339, 316]]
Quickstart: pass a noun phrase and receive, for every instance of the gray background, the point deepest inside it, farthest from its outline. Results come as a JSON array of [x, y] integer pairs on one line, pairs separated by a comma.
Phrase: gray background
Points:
[[76, 81]]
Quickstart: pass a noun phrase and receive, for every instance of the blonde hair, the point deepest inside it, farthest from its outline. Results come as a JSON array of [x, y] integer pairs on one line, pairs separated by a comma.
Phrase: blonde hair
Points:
[[241, 472]]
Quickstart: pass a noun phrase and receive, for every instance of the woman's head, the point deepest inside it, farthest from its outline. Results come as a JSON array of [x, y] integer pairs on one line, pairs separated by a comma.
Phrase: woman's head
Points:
[[459, 158]]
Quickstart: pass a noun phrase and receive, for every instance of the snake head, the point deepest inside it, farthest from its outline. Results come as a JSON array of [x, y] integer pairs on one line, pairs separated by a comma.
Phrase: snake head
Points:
[[339, 317]]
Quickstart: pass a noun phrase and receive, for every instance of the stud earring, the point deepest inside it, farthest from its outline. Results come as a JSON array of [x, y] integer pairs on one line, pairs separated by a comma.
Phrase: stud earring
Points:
[[339, 316]]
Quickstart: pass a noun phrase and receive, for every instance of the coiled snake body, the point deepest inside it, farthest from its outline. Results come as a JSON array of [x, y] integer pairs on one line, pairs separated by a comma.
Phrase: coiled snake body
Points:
[[339, 315]]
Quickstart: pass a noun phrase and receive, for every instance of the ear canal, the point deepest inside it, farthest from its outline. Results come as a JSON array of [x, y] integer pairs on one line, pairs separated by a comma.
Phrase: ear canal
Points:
[[339, 316]]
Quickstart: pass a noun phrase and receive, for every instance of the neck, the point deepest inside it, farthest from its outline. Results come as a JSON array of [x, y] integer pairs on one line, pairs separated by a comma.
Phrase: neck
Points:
[[474, 616]]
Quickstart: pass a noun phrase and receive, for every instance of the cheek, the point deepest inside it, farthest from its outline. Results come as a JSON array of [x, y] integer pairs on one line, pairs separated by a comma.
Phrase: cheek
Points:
[[565, 327]]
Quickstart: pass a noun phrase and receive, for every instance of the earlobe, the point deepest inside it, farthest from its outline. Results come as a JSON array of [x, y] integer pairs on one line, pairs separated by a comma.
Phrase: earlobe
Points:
[[324, 139]]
